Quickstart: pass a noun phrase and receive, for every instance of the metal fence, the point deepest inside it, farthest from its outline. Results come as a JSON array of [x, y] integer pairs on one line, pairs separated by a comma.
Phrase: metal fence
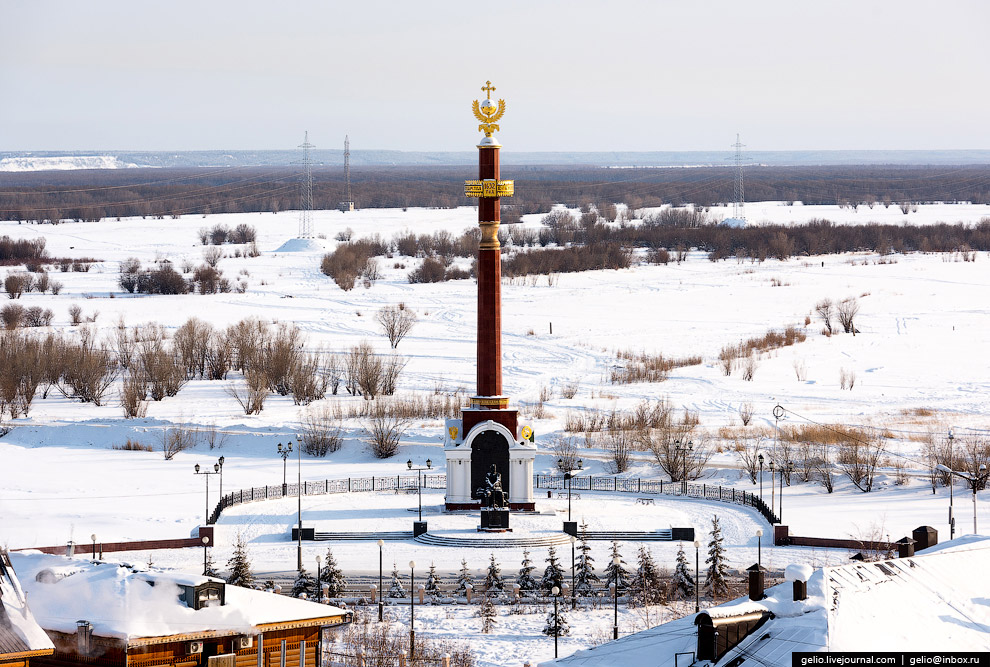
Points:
[[582, 483]]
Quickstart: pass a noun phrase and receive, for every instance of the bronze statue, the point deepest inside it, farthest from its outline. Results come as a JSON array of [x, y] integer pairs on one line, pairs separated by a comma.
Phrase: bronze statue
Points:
[[492, 494]]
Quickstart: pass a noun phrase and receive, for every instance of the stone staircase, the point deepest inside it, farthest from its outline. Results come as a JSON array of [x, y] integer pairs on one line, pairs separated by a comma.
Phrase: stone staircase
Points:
[[503, 541], [388, 536]]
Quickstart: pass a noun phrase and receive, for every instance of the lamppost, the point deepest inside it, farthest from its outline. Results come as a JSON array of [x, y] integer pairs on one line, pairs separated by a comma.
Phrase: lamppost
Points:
[[697, 580], [685, 449], [220, 463], [319, 591], [977, 479], [299, 566], [206, 545], [773, 501], [615, 595], [759, 547], [284, 453], [381, 592], [556, 618], [952, 518], [216, 471], [568, 477], [760, 459], [573, 587], [412, 608], [784, 467], [93, 537], [419, 482]]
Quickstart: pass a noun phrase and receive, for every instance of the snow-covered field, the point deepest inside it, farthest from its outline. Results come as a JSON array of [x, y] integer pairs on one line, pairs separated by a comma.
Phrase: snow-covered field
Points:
[[921, 347]]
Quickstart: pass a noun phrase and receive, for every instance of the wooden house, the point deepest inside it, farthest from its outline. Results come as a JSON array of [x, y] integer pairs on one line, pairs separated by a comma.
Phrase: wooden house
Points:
[[22, 641], [105, 614]]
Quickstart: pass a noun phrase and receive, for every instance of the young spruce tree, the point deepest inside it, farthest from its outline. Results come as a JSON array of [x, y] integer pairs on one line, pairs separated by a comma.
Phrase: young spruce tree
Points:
[[616, 573], [332, 576], [556, 624], [586, 578], [240, 566], [464, 578], [494, 583], [526, 580], [395, 589], [647, 582], [433, 582], [304, 583], [682, 583], [715, 582], [488, 614], [553, 575]]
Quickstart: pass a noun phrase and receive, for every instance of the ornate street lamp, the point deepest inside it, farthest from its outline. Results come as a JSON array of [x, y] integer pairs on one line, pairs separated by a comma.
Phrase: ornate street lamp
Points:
[[206, 545], [284, 453], [759, 546], [615, 595], [381, 592], [319, 590], [412, 609], [419, 482], [299, 565], [556, 618], [569, 469], [686, 450], [697, 580], [760, 459], [216, 471]]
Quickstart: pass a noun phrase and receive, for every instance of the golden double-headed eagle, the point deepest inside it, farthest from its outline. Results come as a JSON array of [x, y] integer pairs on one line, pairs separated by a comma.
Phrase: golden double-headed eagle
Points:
[[487, 112]]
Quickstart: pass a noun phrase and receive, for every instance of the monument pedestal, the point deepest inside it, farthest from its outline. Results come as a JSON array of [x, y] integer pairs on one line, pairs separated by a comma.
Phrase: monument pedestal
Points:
[[494, 521], [419, 527]]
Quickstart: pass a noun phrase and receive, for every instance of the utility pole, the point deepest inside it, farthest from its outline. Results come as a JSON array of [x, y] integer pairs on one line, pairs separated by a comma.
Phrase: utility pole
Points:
[[306, 214], [739, 193]]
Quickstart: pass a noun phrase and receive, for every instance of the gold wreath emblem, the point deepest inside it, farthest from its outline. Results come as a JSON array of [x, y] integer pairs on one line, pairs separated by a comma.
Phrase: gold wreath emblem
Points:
[[453, 432], [527, 432]]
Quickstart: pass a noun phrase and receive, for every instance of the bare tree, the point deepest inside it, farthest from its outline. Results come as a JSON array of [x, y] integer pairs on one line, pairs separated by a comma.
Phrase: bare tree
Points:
[[859, 462], [749, 368], [824, 466], [564, 447], [619, 445], [848, 309], [252, 397], [175, 439], [396, 322], [826, 310], [321, 431], [215, 437], [212, 255], [386, 429], [746, 413], [134, 395], [748, 451], [680, 449]]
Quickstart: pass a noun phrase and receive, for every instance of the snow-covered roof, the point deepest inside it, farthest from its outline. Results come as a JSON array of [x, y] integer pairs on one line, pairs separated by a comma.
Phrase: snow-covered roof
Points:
[[19, 632], [935, 600], [120, 603]]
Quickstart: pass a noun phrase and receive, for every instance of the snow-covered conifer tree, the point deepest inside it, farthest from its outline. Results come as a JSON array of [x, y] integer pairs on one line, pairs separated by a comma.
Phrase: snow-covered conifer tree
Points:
[[240, 566], [211, 567], [494, 583], [616, 573], [647, 582], [526, 580], [464, 578], [488, 614], [585, 579], [557, 625], [395, 589], [682, 582], [553, 575], [332, 576], [715, 582], [304, 583], [433, 582]]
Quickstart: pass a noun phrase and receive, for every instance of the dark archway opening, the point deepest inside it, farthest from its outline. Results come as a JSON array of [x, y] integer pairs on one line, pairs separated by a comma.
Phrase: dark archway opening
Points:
[[488, 448]]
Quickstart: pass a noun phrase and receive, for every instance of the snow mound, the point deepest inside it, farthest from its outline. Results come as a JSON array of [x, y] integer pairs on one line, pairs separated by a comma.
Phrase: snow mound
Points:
[[735, 223], [63, 163], [798, 572], [301, 245]]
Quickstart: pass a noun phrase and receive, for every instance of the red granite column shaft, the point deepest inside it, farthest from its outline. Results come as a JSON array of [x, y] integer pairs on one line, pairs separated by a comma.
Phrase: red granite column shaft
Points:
[[489, 284]]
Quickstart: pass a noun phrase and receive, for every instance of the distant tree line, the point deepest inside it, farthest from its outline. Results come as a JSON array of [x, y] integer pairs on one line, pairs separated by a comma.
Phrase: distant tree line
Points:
[[93, 195]]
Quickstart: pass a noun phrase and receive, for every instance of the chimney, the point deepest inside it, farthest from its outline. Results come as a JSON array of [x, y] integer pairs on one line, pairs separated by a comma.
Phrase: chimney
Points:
[[798, 575], [70, 548], [924, 537], [84, 637], [756, 581], [905, 547]]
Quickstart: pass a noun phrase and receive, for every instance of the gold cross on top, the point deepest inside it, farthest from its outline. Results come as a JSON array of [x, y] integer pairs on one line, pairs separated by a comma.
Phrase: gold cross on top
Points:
[[488, 88]]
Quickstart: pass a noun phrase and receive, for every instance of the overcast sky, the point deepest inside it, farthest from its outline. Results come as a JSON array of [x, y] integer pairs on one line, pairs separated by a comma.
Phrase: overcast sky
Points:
[[578, 75]]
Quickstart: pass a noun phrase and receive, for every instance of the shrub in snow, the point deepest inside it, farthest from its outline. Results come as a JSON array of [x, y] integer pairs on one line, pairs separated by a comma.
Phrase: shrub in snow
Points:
[[488, 614]]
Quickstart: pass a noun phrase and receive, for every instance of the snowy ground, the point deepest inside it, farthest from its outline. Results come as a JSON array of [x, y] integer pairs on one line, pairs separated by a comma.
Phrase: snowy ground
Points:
[[923, 324]]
